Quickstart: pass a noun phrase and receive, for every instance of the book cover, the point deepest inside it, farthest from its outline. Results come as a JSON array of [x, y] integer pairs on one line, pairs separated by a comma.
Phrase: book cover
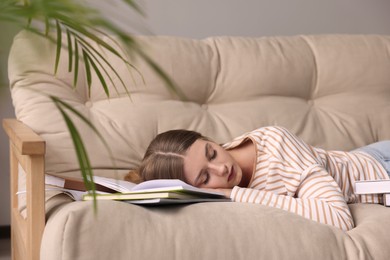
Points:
[[163, 201], [139, 196]]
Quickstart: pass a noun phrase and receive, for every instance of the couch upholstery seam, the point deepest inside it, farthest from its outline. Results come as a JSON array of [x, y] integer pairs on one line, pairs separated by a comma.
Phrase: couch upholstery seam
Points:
[[216, 51], [316, 70]]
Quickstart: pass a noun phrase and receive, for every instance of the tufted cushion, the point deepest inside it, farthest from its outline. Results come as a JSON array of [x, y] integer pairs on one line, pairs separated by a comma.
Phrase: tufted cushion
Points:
[[331, 90]]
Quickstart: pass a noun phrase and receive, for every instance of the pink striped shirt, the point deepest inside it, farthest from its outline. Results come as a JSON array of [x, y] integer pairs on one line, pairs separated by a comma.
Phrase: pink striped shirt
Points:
[[311, 182]]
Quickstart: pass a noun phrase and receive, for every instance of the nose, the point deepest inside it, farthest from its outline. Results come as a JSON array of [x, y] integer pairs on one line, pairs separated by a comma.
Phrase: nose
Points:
[[218, 168]]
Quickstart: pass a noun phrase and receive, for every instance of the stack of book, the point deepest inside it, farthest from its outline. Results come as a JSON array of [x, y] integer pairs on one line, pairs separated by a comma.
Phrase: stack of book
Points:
[[375, 187], [153, 192]]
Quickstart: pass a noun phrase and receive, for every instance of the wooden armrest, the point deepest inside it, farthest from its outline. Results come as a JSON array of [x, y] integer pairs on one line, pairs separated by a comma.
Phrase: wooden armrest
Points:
[[24, 138], [27, 150]]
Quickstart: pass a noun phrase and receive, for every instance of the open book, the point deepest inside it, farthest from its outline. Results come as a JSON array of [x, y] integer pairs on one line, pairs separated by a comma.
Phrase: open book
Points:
[[372, 187], [102, 184], [163, 191], [386, 199]]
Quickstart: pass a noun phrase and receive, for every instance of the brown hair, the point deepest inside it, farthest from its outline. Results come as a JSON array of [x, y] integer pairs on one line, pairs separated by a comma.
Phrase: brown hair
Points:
[[164, 157]]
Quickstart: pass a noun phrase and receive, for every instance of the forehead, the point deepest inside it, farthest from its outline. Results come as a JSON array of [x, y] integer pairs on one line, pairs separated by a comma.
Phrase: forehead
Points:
[[194, 160], [196, 150]]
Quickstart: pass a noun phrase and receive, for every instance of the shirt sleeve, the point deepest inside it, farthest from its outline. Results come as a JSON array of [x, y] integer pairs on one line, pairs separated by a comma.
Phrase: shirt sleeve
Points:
[[318, 198]]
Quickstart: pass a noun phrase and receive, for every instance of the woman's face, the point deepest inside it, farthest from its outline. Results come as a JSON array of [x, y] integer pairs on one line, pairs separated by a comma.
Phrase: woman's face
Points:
[[208, 165]]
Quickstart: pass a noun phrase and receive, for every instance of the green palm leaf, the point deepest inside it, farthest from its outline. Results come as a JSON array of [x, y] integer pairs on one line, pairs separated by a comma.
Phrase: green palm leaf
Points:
[[76, 63], [87, 70], [70, 50], [81, 24], [59, 46], [89, 60], [82, 156], [81, 152]]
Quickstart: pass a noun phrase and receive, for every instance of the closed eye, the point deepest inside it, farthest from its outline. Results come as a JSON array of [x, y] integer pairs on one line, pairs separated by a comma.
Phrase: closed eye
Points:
[[211, 153], [207, 178]]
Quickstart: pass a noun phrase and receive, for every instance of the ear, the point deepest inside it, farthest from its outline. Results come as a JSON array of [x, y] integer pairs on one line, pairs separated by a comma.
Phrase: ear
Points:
[[133, 176]]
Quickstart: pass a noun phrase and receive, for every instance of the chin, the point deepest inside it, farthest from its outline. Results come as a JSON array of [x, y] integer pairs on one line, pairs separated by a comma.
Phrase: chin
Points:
[[238, 178], [230, 186]]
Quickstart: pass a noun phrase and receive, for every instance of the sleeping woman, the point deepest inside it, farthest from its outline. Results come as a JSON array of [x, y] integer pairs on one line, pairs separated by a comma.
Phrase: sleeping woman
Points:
[[272, 167]]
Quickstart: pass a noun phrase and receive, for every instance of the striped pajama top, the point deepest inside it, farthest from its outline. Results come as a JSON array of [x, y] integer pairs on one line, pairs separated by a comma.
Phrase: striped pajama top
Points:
[[311, 182]]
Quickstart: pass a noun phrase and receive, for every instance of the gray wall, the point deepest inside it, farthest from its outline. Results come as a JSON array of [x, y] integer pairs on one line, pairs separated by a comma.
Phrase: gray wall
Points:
[[6, 111], [203, 18]]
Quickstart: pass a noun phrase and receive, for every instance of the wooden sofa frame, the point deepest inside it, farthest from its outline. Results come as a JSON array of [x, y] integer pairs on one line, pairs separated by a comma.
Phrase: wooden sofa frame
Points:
[[27, 150]]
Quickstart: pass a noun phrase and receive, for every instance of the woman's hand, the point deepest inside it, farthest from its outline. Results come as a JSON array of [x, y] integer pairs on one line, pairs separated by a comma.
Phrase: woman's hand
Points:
[[225, 192]]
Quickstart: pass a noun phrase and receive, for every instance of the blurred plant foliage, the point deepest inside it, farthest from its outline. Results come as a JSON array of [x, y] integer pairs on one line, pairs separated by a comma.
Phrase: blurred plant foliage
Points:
[[80, 24]]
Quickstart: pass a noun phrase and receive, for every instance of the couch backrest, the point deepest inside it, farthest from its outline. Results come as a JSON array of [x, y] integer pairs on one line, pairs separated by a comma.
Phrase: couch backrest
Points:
[[331, 90]]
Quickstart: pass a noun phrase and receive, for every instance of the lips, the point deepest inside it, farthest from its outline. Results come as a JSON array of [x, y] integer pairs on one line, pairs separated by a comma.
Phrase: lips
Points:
[[232, 174]]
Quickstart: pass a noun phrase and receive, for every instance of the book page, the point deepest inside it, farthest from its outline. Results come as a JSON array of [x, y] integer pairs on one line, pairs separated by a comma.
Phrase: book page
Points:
[[171, 184], [115, 184]]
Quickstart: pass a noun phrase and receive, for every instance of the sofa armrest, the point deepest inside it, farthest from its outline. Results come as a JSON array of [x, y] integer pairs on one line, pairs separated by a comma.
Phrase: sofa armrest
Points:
[[24, 139], [27, 150]]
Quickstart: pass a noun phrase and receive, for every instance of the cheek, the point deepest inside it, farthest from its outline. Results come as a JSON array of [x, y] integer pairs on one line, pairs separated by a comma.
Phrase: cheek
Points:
[[225, 155]]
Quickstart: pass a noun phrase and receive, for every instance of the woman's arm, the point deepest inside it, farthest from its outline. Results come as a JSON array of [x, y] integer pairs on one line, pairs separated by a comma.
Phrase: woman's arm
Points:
[[318, 198]]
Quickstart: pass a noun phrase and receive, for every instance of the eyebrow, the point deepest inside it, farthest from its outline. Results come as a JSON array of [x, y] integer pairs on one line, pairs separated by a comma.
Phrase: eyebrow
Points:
[[207, 155]]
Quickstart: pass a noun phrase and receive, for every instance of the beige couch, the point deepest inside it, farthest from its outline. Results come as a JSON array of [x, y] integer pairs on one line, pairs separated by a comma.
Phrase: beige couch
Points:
[[331, 90]]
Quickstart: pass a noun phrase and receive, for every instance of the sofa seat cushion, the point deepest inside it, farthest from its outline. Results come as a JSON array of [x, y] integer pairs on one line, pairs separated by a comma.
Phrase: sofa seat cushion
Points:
[[215, 231]]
